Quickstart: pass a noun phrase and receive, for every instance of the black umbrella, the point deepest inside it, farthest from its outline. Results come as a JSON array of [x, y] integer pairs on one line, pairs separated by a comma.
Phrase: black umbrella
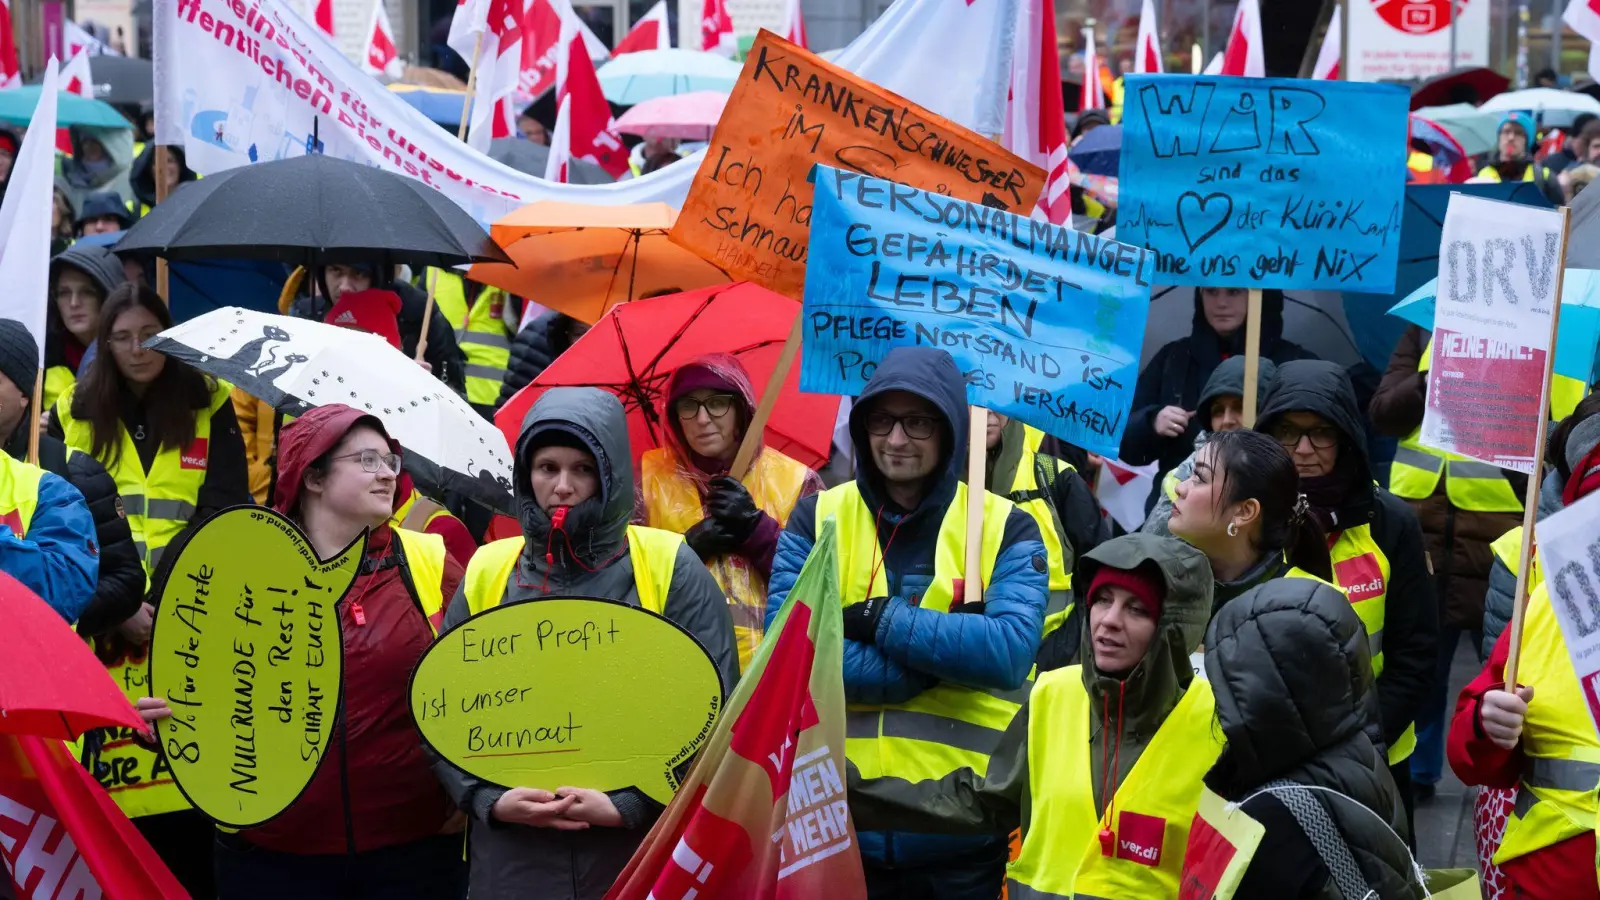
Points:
[[312, 209], [122, 80], [1583, 232], [530, 159]]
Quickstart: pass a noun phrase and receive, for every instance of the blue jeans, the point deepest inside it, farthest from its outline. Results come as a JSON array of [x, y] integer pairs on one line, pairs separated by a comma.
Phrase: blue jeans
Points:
[[1427, 761]]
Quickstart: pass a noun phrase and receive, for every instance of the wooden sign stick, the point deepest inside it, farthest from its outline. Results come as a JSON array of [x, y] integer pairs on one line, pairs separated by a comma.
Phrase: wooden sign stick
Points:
[[1530, 510], [162, 190], [427, 312], [746, 456], [33, 418], [472, 84], [977, 458], [1252, 356]]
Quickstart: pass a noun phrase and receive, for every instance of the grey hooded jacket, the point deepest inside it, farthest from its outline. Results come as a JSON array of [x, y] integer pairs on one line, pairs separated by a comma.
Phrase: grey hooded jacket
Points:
[[591, 560]]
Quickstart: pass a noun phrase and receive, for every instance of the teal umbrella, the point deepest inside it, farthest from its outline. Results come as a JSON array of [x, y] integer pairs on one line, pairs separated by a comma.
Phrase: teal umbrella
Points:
[[16, 108], [636, 77]]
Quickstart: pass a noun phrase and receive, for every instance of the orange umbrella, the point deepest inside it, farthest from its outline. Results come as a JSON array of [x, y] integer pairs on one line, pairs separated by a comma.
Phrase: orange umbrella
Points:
[[582, 260]]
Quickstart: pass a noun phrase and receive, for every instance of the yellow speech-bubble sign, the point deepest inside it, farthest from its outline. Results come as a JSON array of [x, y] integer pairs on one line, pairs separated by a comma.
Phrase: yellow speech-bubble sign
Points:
[[568, 692], [246, 650]]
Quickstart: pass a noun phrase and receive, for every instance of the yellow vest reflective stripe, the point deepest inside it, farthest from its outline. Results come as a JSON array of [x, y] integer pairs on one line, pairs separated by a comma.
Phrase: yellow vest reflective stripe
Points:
[[57, 381], [480, 330], [424, 558], [1029, 497], [1061, 852], [1361, 571], [1556, 795], [159, 503], [1471, 485], [946, 727], [652, 552], [672, 503]]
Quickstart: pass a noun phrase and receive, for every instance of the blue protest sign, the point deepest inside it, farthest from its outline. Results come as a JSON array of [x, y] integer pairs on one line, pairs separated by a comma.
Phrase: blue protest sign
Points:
[[1046, 323], [1264, 182]]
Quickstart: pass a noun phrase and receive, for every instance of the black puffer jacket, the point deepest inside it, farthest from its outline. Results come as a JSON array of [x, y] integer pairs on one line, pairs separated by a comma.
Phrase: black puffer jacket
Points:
[[1288, 665], [120, 589], [1411, 611], [534, 349]]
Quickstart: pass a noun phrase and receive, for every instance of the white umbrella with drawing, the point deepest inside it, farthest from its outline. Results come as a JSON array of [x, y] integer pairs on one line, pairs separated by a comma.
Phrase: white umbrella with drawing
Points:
[[296, 365]]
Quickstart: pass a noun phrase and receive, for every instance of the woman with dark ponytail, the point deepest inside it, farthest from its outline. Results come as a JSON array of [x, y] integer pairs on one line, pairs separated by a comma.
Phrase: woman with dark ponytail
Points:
[[1241, 506]]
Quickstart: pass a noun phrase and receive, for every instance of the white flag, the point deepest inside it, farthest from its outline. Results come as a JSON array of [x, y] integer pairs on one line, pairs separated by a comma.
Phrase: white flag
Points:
[[488, 35], [381, 57], [651, 32], [1147, 53], [557, 165], [1584, 17], [25, 219], [76, 77], [1327, 68], [1244, 54]]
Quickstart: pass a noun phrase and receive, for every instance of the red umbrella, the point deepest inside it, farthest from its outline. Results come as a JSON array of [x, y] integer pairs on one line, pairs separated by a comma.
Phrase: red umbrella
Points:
[[51, 684], [1473, 86], [633, 351]]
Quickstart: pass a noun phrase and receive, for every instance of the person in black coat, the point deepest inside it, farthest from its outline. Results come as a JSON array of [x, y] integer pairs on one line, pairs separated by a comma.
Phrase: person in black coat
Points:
[[535, 347], [1162, 426], [119, 594], [443, 355]]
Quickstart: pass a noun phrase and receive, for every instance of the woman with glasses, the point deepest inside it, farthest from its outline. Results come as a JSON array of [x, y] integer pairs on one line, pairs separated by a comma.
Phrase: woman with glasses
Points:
[[167, 435], [374, 822], [1373, 538], [731, 521], [82, 276]]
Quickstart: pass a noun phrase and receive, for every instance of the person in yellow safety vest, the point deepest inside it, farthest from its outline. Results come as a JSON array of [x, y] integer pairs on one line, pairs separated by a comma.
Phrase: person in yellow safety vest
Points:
[[732, 524], [167, 435], [1512, 160], [1101, 766], [1069, 519], [1293, 686], [573, 485], [81, 278], [143, 176], [1463, 506], [1538, 737], [482, 330], [374, 810], [1374, 542], [932, 680]]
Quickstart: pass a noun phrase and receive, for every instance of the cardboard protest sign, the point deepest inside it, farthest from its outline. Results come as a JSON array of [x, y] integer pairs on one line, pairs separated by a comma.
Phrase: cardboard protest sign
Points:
[[1264, 182], [1498, 265], [750, 203], [548, 693], [1046, 323], [1222, 841], [1569, 552], [246, 650]]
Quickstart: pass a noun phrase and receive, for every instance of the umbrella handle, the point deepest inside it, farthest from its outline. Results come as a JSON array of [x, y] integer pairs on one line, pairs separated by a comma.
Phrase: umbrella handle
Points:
[[769, 400]]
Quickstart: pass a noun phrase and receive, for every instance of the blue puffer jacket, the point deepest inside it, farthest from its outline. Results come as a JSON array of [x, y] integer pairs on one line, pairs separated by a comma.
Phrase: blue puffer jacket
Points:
[[917, 648], [58, 558]]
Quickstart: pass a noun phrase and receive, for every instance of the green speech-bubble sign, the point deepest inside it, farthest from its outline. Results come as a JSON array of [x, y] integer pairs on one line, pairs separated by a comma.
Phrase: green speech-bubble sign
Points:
[[247, 652], [568, 692]]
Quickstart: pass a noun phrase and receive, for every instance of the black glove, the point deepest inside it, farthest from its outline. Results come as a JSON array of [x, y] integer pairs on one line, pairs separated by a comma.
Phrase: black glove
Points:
[[710, 538], [861, 619], [975, 608], [729, 503]]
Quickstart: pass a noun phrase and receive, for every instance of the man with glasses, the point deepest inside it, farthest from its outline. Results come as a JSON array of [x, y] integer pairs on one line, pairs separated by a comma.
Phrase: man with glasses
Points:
[[933, 682], [1373, 538]]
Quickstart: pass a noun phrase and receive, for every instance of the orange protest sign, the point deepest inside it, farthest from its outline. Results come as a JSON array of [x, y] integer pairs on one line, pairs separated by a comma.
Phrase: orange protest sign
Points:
[[749, 208]]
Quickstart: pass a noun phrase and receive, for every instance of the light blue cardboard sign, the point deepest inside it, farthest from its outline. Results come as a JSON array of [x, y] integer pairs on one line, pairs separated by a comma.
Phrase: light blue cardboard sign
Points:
[[1264, 182], [1046, 323]]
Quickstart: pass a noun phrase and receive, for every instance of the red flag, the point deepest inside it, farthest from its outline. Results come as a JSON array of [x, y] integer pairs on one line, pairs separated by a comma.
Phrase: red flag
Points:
[[10, 68], [594, 133], [1327, 68], [763, 814], [75, 76], [382, 56], [1243, 55], [62, 836], [649, 33], [1147, 55], [541, 43], [324, 17], [716, 28], [1092, 95], [794, 24], [488, 34], [558, 164], [1056, 201]]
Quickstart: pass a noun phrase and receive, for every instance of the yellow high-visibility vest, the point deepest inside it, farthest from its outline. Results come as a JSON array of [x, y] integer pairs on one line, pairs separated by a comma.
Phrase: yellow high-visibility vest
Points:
[[948, 726], [480, 330], [1037, 502], [57, 381], [672, 503], [1062, 857], [653, 553], [1361, 571]]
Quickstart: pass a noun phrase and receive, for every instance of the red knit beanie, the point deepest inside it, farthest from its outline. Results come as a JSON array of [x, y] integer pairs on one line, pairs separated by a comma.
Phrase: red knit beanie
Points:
[[1143, 581], [374, 311]]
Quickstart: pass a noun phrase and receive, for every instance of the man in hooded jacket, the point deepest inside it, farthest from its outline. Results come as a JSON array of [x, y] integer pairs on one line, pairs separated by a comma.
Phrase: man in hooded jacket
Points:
[[591, 554], [1289, 668], [1171, 382], [1374, 540], [933, 680]]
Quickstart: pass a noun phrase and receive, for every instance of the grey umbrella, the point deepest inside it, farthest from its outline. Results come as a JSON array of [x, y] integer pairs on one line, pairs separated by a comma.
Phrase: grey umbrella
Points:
[[122, 79], [526, 156]]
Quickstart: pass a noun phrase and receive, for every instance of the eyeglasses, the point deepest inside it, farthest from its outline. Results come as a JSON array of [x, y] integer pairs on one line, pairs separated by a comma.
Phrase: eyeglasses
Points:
[[716, 406], [1322, 437], [372, 460], [917, 428], [122, 340]]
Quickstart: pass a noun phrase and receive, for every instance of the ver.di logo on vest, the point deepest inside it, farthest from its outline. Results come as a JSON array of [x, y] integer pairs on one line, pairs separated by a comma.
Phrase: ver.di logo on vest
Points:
[[1360, 577], [1139, 838], [195, 456]]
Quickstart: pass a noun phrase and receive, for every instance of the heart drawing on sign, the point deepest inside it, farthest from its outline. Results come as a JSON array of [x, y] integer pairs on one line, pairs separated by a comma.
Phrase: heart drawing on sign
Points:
[[1201, 217]]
